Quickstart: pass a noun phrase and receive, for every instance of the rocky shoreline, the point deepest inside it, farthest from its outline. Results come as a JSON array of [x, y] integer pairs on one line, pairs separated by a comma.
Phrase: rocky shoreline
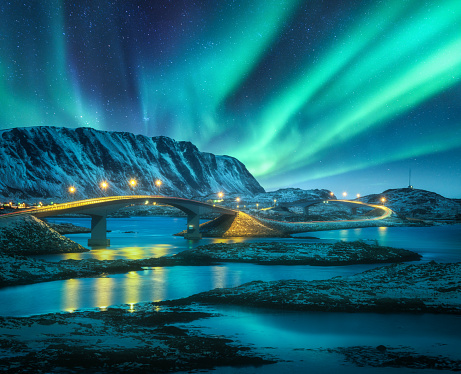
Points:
[[399, 288], [137, 338], [316, 254], [27, 235], [19, 270]]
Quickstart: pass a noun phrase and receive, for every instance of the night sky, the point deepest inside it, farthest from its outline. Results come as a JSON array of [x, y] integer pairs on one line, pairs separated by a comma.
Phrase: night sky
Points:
[[343, 95]]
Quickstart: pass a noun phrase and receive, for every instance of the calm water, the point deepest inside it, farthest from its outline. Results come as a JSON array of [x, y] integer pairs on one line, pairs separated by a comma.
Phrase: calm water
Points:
[[282, 334]]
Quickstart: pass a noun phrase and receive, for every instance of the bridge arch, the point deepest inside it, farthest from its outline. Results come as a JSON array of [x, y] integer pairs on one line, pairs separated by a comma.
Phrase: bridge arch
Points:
[[99, 208]]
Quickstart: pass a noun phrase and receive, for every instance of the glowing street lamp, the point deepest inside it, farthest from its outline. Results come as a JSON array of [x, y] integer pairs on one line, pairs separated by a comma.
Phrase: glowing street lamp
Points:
[[383, 200], [331, 193], [104, 186], [257, 206], [220, 195], [344, 194], [158, 183], [275, 200], [72, 190], [133, 184], [358, 196]]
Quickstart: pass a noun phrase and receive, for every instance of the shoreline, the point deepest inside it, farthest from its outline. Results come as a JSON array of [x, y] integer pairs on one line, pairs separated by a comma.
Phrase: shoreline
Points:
[[21, 270]]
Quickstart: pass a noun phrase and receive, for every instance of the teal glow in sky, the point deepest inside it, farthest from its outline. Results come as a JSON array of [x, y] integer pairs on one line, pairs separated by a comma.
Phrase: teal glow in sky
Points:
[[332, 94]]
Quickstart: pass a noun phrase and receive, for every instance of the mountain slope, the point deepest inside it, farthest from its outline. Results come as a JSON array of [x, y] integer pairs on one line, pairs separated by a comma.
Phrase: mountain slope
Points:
[[413, 202], [45, 161]]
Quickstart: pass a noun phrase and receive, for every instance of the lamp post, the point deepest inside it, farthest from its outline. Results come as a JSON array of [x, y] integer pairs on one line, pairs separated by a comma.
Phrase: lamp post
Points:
[[358, 196], [104, 186], [158, 183], [275, 200], [383, 200], [238, 202], [220, 195], [132, 184], [72, 190], [344, 194]]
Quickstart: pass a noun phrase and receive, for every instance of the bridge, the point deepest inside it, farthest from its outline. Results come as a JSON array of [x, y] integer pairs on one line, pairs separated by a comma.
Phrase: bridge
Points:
[[99, 208], [230, 223], [353, 205]]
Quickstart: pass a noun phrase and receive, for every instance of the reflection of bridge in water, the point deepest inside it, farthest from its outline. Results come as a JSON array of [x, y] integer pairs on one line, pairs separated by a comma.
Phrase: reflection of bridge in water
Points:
[[99, 208]]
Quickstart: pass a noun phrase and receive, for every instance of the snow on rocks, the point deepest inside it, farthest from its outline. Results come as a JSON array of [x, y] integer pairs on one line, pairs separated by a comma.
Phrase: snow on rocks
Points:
[[127, 339], [429, 287], [277, 253], [29, 235]]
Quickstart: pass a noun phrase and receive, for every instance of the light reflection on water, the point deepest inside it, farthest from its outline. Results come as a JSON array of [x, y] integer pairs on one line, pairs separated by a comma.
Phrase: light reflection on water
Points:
[[151, 237], [287, 335]]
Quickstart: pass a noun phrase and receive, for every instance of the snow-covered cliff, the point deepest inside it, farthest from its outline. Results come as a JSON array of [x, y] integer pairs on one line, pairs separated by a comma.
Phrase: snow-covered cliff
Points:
[[42, 162]]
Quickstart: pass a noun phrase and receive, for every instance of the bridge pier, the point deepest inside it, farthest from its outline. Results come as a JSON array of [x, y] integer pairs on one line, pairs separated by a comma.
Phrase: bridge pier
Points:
[[98, 232], [193, 224]]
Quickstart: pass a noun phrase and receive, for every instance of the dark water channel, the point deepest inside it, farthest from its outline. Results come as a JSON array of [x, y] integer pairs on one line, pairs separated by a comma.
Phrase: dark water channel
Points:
[[292, 335]]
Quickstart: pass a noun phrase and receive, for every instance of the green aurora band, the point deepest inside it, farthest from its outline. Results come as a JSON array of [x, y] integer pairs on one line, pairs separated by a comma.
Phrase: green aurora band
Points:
[[273, 83]]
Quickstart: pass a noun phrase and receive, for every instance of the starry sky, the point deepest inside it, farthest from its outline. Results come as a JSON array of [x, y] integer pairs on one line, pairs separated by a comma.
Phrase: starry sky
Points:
[[343, 95]]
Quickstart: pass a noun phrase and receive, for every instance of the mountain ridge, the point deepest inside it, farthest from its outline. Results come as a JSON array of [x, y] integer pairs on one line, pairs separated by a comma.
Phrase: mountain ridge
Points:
[[43, 161]]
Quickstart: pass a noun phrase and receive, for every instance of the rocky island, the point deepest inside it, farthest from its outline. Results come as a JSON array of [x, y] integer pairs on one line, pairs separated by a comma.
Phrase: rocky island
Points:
[[423, 288], [286, 253], [137, 338]]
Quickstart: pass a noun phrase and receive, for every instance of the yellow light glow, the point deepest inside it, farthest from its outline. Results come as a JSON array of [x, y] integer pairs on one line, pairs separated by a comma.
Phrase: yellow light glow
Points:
[[158, 182], [358, 195], [220, 195], [133, 182], [71, 189], [104, 185], [344, 193], [237, 199]]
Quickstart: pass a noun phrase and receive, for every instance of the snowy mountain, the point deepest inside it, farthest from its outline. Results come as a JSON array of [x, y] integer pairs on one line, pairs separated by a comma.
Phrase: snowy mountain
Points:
[[412, 202], [42, 162]]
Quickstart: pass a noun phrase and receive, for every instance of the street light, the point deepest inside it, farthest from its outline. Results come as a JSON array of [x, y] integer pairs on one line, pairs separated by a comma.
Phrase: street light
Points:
[[104, 186], [344, 194], [358, 196], [383, 200], [220, 195], [275, 200], [257, 206], [72, 190], [133, 184], [158, 183]]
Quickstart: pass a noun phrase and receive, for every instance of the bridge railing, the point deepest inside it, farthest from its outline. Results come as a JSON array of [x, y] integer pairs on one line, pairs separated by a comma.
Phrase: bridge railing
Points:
[[88, 203]]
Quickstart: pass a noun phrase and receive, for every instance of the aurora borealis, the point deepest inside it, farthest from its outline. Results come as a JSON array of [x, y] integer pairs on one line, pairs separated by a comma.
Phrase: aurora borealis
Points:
[[344, 95]]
